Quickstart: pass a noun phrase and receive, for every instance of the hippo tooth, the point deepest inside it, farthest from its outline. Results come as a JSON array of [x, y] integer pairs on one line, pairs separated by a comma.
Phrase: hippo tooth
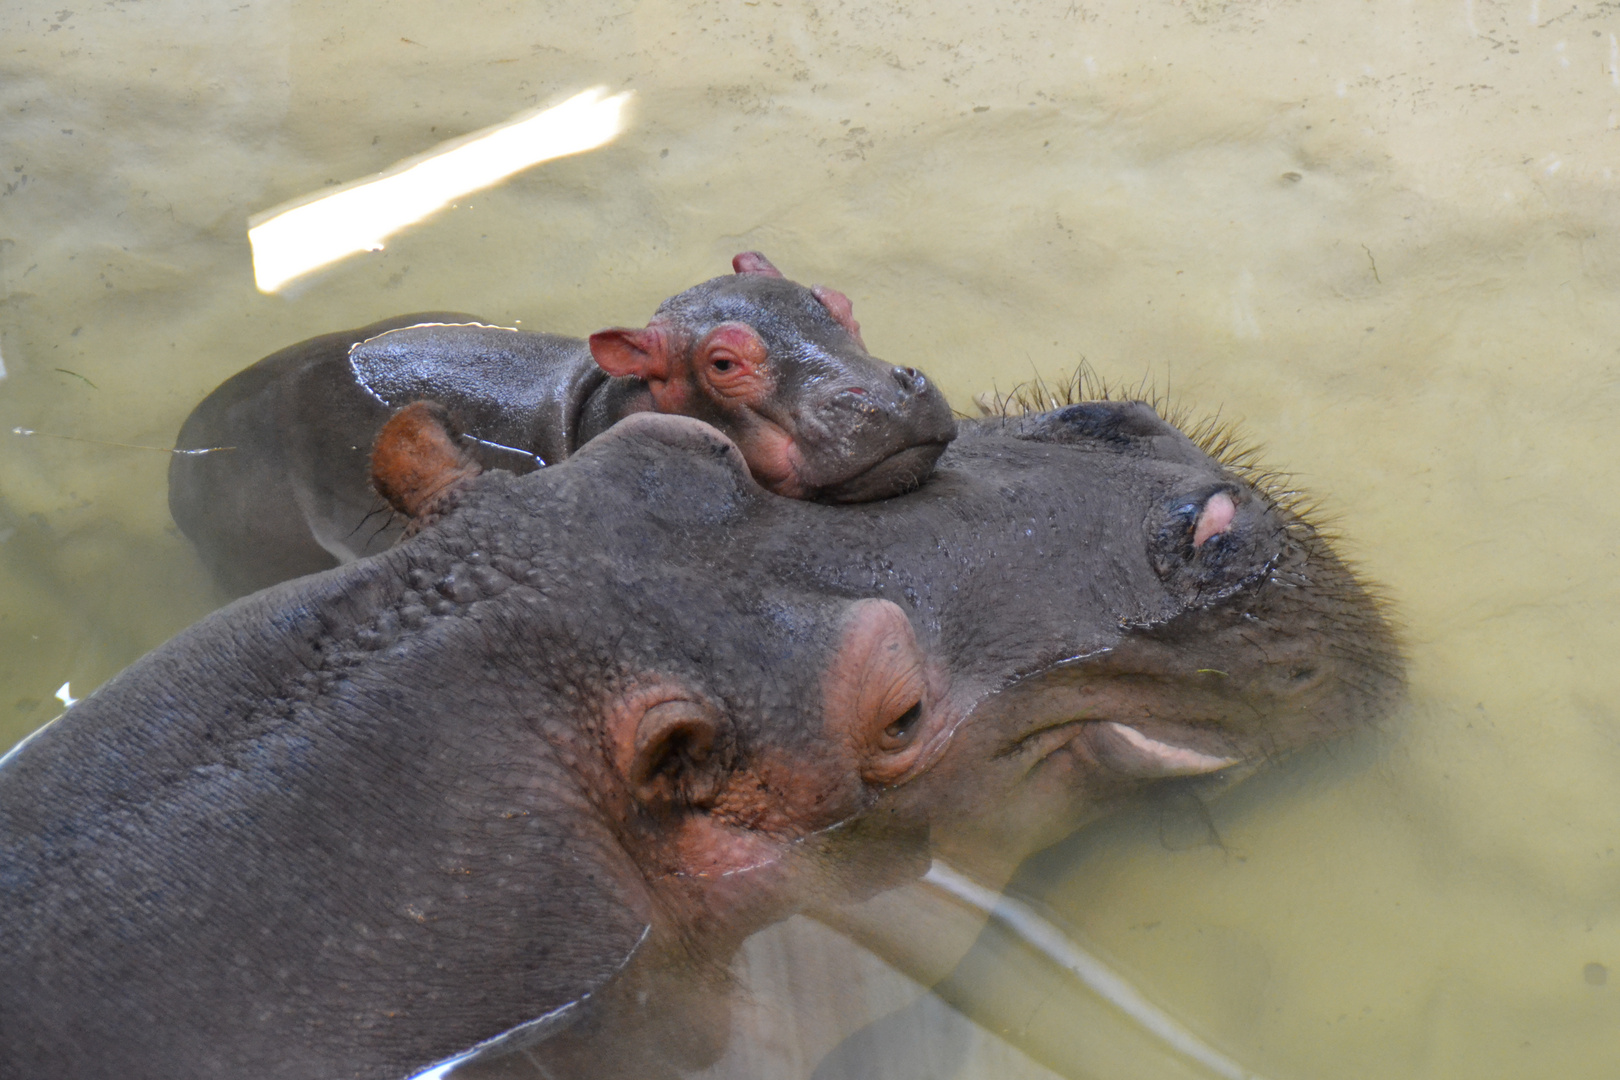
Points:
[[1171, 760]]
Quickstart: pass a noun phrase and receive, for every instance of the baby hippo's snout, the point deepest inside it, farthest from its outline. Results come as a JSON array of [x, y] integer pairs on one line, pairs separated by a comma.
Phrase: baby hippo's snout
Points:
[[882, 438], [910, 380]]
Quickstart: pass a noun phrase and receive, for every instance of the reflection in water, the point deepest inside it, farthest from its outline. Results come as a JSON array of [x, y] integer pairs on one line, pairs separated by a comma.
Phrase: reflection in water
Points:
[[30, 432], [290, 242], [1030, 929], [981, 985]]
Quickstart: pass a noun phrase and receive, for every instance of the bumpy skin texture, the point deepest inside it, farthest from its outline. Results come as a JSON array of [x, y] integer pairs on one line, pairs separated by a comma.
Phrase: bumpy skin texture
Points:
[[779, 368], [357, 823]]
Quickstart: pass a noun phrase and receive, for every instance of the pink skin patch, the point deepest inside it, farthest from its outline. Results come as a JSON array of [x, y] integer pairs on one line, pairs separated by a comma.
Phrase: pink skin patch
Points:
[[1215, 518]]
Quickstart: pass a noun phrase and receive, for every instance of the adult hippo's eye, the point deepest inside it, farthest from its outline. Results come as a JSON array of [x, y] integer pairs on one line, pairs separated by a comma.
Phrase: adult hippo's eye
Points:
[[903, 727], [877, 692], [722, 364]]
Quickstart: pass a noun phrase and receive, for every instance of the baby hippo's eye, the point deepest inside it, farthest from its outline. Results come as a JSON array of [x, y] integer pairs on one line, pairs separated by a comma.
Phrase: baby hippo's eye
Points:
[[899, 732], [733, 361]]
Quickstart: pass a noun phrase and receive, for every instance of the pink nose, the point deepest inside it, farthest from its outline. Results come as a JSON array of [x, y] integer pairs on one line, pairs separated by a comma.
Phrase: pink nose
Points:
[[1215, 518]]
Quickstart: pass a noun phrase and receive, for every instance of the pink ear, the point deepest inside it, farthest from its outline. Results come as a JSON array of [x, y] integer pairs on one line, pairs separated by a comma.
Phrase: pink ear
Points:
[[839, 307], [642, 353], [416, 461], [752, 262]]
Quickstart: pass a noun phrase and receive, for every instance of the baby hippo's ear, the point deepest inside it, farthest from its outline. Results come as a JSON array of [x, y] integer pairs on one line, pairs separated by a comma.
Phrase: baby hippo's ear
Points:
[[754, 262], [416, 463], [839, 307], [644, 354]]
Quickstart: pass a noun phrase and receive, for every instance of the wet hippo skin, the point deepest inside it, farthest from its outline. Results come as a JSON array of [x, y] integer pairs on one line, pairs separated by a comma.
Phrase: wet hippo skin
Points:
[[779, 368], [531, 775]]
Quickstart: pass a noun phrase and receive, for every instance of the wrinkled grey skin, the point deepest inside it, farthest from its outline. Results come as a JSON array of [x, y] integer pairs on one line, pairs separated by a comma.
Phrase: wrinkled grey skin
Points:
[[293, 497], [355, 824]]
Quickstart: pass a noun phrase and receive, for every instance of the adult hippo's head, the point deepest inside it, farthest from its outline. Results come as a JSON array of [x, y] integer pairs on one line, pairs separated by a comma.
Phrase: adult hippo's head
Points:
[[783, 372], [1097, 604], [1104, 605], [513, 790]]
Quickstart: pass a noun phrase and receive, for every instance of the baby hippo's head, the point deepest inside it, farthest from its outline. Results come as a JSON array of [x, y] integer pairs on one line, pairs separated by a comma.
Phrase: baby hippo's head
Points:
[[782, 371]]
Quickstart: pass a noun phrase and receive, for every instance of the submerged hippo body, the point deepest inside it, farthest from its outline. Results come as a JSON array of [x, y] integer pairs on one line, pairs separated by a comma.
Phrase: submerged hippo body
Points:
[[779, 368], [531, 772]]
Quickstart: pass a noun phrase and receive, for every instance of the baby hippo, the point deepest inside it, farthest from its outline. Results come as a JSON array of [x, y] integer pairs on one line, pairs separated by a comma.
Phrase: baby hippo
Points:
[[779, 368]]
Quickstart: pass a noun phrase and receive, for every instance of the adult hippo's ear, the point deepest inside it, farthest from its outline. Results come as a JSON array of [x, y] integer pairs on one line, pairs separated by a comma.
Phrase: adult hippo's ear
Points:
[[416, 463], [881, 695], [670, 746], [677, 757]]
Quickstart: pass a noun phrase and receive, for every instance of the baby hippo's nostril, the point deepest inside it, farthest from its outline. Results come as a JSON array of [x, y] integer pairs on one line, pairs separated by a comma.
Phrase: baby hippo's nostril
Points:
[[910, 380], [1215, 518]]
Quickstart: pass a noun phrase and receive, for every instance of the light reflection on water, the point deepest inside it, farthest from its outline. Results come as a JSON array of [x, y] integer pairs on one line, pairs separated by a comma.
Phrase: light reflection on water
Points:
[[1383, 236], [314, 232]]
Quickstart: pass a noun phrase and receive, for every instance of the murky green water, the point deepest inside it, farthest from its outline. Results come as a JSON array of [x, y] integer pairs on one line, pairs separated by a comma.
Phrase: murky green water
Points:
[[1386, 236]]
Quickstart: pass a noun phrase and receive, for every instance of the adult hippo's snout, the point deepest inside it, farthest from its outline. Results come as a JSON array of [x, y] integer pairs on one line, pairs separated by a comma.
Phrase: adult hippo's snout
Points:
[[1234, 634]]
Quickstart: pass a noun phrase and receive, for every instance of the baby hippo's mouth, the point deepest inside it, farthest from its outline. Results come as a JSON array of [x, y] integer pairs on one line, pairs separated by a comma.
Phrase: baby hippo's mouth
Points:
[[894, 475]]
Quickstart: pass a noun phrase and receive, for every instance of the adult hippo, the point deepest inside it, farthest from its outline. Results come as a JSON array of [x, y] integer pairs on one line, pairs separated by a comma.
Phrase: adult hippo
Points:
[[503, 793], [779, 368]]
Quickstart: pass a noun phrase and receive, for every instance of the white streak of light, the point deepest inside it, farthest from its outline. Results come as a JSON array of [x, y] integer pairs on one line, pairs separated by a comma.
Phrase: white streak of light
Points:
[[1039, 934], [64, 694], [359, 217]]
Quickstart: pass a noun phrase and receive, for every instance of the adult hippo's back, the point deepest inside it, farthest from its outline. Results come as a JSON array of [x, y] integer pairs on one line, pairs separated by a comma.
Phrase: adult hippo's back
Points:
[[520, 785]]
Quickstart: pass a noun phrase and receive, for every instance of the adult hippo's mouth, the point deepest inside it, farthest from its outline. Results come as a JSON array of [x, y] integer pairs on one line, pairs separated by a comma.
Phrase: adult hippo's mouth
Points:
[[1142, 752]]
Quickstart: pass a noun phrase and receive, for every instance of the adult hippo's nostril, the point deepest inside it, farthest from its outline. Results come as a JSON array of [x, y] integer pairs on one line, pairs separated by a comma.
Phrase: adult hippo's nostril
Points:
[[1213, 541], [910, 380], [1214, 519]]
